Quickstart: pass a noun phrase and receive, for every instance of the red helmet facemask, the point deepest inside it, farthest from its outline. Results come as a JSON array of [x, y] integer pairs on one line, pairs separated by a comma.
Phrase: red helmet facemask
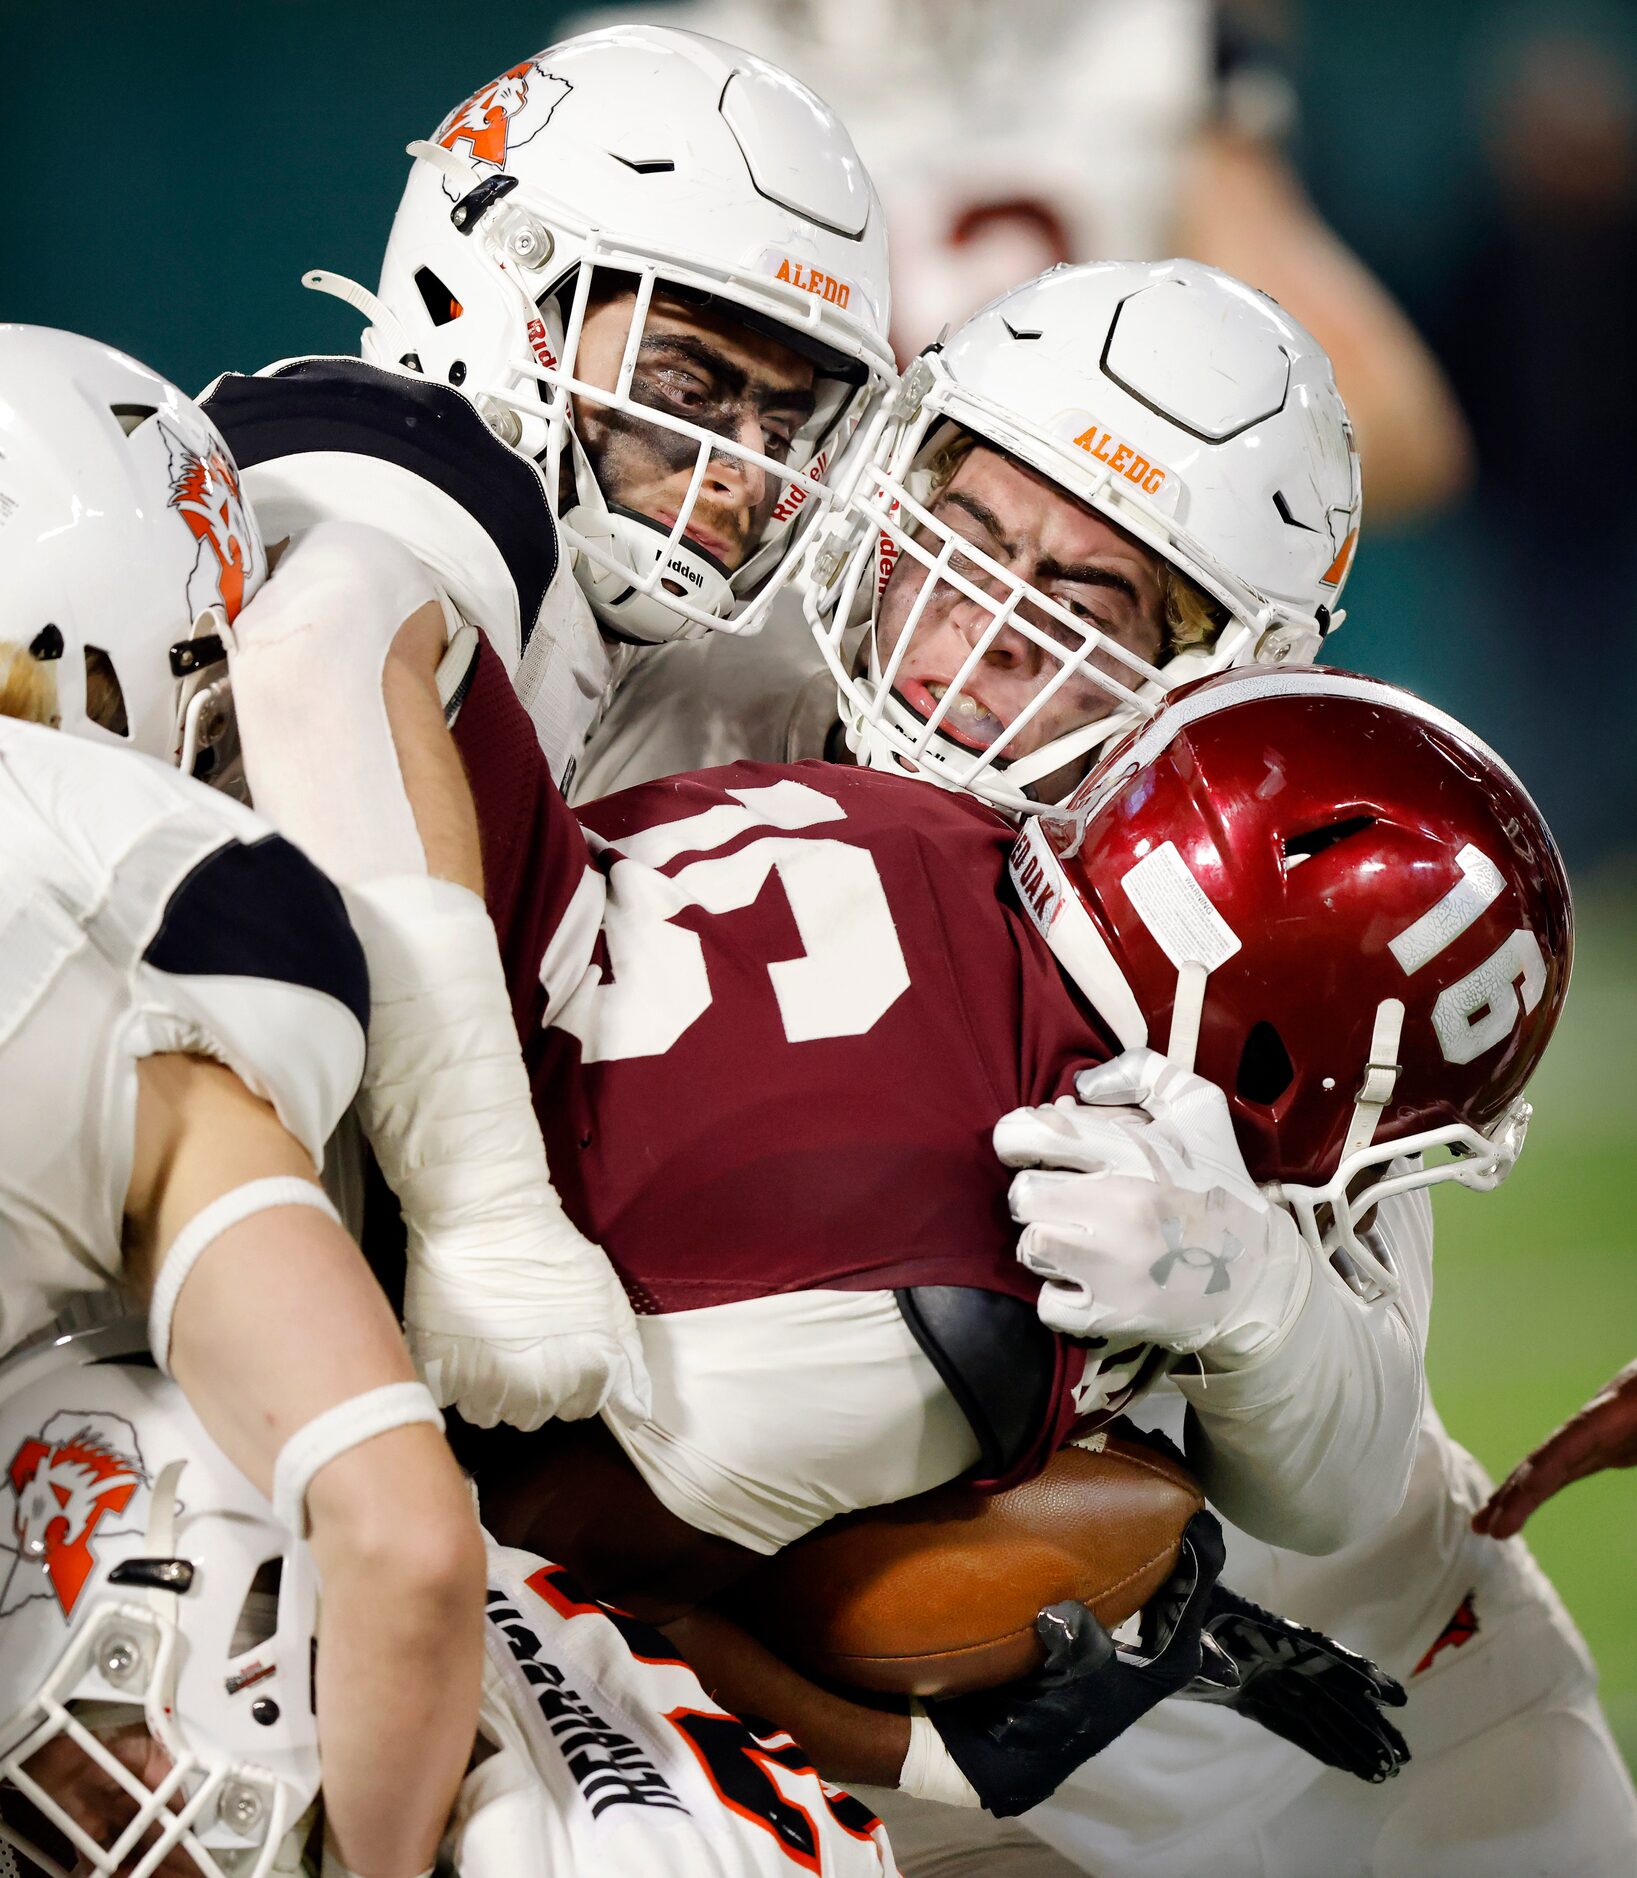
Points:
[[1336, 904]]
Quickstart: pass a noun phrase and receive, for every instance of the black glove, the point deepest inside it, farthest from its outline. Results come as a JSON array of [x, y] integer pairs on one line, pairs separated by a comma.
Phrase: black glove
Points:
[[1018, 1744], [1301, 1685]]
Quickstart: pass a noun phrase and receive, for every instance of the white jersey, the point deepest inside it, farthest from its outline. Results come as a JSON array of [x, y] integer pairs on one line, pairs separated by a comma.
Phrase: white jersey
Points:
[[338, 439], [141, 913], [698, 703], [1414, 1596], [612, 1762], [1003, 135]]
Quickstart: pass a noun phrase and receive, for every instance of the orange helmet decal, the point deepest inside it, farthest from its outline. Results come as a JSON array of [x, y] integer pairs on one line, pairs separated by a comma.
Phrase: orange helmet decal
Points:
[[79, 1472], [205, 492], [504, 115]]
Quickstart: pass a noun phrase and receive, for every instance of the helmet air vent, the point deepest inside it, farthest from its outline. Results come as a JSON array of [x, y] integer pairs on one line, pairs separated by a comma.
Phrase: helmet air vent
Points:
[[1021, 332], [441, 305], [104, 695], [258, 1617], [129, 416], [645, 166], [1303, 847], [1285, 516], [1265, 1068]]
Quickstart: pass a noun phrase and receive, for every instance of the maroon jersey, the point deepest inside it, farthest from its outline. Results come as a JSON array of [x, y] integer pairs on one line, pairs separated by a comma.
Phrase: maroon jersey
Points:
[[812, 994]]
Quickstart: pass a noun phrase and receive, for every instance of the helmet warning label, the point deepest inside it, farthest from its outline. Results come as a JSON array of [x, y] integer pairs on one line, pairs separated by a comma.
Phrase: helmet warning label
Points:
[[1175, 909]]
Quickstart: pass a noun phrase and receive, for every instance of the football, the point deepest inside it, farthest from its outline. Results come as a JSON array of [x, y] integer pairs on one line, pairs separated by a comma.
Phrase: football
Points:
[[938, 1595]]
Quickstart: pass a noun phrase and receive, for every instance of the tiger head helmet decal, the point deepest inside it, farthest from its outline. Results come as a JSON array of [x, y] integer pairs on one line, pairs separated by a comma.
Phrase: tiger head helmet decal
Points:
[[80, 1479]]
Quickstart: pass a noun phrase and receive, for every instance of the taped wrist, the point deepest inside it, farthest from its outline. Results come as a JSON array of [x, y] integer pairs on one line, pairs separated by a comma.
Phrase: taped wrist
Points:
[[336, 1432], [929, 1771], [205, 1228], [334, 1866], [447, 1108]]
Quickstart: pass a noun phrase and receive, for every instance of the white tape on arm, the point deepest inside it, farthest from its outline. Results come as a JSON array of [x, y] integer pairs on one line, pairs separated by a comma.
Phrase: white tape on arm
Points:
[[337, 1431], [332, 1866], [205, 1228], [929, 1771]]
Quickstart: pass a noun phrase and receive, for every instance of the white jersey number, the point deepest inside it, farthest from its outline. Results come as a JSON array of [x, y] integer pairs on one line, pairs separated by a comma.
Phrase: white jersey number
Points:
[[850, 971], [1483, 1008]]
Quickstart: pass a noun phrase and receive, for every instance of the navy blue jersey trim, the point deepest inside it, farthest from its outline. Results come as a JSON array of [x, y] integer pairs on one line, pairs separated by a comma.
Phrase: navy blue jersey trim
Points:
[[262, 910], [422, 426]]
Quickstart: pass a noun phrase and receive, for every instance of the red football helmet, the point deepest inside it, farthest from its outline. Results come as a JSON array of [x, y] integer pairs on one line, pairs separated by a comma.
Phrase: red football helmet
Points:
[[1347, 912]]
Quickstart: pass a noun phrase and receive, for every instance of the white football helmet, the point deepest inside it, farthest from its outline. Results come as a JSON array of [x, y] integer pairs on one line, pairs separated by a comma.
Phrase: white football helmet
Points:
[[144, 1584], [126, 547], [1172, 400], [691, 168]]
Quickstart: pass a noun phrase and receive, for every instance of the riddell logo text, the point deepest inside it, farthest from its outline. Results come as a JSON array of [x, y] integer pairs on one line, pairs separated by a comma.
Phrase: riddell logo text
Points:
[[1120, 457], [810, 280], [540, 345], [797, 493], [886, 557]]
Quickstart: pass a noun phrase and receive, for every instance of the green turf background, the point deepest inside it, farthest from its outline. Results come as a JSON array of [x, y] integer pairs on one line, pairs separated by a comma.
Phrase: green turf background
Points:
[[1536, 1299]]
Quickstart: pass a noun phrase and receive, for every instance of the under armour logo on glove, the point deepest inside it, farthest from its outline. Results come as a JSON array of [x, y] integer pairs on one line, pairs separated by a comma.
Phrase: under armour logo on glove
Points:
[[1195, 1258], [1135, 1185]]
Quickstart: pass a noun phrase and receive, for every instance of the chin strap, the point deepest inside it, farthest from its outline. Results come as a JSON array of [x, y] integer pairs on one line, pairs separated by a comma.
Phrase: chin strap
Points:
[[1380, 1077], [373, 308]]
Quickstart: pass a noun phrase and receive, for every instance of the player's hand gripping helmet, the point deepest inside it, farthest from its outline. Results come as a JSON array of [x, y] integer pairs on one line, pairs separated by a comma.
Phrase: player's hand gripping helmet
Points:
[[153, 1615], [1166, 398], [688, 171], [1351, 904], [125, 547]]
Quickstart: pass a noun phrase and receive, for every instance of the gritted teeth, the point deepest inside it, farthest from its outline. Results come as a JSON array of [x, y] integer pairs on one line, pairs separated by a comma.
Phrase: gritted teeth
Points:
[[968, 719]]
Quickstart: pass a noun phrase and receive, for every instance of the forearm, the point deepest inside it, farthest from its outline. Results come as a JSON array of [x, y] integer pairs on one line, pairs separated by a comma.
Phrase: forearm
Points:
[[276, 1323], [399, 1665], [1310, 1446], [847, 1742]]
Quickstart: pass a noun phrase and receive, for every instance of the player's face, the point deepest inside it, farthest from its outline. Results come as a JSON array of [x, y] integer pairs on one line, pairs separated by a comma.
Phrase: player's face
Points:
[[713, 372], [96, 1802], [1060, 548]]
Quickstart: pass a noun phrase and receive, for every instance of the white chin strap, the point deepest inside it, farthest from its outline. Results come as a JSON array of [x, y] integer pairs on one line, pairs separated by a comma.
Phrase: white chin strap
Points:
[[1368, 1274], [1380, 1077]]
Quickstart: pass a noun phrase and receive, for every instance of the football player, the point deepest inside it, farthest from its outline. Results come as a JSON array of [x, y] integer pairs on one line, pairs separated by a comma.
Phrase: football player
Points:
[[678, 1057], [163, 1724], [182, 1003], [632, 308], [1007, 135]]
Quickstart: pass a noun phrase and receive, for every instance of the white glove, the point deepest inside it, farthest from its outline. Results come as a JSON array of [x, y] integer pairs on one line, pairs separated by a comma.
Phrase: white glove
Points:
[[1143, 1220], [511, 1313]]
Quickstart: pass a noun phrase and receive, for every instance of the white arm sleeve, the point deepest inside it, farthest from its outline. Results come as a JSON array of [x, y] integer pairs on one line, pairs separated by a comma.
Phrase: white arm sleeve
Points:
[[1311, 1446], [773, 1415]]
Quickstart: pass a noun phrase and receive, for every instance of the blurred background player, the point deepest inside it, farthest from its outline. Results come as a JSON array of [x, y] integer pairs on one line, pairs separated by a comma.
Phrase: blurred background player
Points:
[[184, 1026]]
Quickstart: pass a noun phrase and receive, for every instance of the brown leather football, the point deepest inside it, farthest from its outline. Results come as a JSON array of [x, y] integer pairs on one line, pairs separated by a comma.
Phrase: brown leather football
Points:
[[937, 1595]]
